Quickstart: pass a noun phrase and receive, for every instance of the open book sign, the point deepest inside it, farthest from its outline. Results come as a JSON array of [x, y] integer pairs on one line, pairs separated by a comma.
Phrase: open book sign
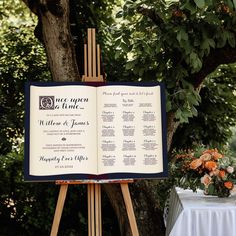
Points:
[[77, 131]]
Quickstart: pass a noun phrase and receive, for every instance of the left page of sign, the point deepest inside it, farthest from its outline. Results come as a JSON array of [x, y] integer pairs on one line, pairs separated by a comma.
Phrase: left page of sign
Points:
[[62, 130]]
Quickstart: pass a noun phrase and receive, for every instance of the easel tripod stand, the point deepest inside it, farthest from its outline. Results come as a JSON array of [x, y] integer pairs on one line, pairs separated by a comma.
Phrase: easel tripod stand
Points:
[[92, 74]]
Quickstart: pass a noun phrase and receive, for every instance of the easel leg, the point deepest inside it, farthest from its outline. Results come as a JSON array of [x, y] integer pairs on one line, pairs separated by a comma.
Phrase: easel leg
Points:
[[94, 210], [98, 216], [59, 208], [129, 208], [91, 222], [89, 210]]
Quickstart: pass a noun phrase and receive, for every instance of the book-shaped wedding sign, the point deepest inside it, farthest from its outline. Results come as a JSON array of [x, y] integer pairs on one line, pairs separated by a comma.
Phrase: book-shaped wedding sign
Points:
[[81, 131]]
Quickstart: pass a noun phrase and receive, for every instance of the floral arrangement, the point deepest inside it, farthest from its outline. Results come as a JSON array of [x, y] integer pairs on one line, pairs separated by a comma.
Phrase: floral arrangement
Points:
[[205, 169]]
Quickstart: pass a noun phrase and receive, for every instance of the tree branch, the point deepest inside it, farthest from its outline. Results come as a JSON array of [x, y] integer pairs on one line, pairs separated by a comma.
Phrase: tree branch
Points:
[[217, 57]]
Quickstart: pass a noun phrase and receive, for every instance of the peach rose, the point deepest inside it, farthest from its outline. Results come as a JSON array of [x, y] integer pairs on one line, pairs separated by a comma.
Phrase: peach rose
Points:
[[206, 179], [214, 152], [210, 165], [221, 174], [195, 164], [209, 151], [214, 172], [216, 155], [205, 157], [228, 185]]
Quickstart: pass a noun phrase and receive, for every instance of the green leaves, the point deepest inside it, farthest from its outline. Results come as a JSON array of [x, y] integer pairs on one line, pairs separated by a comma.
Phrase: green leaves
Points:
[[170, 42], [210, 126], [207, 44], [200, 3], [231, 39], [191, 7], [182, 35], [182, 115], [225, 36], [130, 64], [187, 110], [22, 58], [184, 102], [234, 1], [195, 62]]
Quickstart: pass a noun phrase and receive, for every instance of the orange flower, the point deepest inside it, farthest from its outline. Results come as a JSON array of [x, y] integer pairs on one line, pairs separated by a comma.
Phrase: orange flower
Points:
[[214, 172], [206, 180], [221, 174], [214, 152], [228, 185], [205, 157], [216, 155], [210, 151], [210, 165], [195, 164]]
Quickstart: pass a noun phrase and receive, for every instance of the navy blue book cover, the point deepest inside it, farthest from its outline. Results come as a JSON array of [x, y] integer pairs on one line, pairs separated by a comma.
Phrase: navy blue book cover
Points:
[[87, 131]]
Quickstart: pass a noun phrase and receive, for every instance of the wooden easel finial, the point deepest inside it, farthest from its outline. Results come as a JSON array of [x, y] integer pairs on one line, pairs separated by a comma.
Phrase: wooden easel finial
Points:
[[92, 54]]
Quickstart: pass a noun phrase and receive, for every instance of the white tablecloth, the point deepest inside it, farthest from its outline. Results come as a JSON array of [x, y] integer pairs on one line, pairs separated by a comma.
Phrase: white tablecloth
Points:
[[194, 214]]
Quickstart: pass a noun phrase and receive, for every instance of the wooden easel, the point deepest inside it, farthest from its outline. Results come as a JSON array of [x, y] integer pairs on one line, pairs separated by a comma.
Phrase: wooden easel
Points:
[[92, 74]]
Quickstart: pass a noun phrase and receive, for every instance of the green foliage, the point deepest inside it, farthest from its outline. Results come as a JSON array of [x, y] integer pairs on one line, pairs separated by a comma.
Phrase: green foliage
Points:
[[98, 15], [91, 14], [22, 58], [169, 41], [14, 12], [216, 113]]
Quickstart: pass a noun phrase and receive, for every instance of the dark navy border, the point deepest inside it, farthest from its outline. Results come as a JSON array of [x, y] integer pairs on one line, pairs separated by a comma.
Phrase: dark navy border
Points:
[[118, 175], [27, 132]]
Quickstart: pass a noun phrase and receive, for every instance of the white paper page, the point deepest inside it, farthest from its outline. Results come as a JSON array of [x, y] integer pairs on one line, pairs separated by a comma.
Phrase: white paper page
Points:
[[129, 129], [63, 130]]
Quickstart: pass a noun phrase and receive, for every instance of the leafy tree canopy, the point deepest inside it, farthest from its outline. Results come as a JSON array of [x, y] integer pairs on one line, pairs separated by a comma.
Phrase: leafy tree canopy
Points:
[[14, 13], [22, 58], [91, 14], [179, 42], [216, 112]]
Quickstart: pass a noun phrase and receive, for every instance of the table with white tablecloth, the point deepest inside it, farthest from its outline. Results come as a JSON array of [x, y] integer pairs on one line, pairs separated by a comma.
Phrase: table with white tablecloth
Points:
[[195, 214]]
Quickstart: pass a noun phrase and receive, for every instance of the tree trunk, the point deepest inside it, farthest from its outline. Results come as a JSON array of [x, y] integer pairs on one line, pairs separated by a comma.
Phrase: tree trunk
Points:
[[113, 192], [146, 208], [172, 126], [54, 26]]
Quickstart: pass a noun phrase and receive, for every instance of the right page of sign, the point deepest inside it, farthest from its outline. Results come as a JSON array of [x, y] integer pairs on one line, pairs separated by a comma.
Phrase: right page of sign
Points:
[[129, 129]]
